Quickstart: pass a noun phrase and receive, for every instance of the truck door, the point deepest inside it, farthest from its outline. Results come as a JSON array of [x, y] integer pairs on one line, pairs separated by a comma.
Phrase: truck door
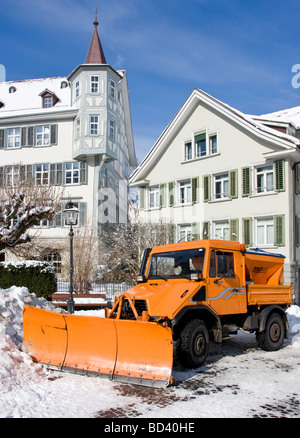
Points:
[[226, 290]]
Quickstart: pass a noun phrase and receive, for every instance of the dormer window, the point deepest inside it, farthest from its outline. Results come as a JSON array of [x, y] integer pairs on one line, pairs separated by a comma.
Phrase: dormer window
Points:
[[49, 99], [63, 84], [12, 89]]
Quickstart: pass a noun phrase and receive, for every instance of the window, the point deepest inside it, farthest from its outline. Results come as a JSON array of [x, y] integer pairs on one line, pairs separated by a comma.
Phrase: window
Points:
[[77, 89], [221, 230], [12, 89], [221, 186], [185, 233], [43, 135], [188, 152], [94, 125], [12, 175], [47, 102], [185, 192], [154, 197], [94, 84], [221, 264], [55, 260], [264, 179], [213, 144], [42, 174], [265, 231], [111, 129], [112, 89], [77, 129], [63, 84], [14, 137], [200, 144], [72, 174]]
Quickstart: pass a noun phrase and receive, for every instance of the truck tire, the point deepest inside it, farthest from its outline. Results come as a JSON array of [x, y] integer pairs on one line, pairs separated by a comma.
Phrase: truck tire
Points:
[[193, 345], [272, 337]]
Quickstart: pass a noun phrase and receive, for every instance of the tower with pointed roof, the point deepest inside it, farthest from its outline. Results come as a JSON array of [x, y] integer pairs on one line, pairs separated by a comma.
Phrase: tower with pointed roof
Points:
[[103, 129]]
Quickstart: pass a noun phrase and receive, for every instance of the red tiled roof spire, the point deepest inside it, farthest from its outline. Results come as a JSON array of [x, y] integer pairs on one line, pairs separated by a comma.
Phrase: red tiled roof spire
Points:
[[95, 54]]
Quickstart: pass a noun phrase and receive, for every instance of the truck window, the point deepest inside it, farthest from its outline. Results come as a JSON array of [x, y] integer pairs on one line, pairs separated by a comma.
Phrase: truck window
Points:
[[176, 264], [221, 264]]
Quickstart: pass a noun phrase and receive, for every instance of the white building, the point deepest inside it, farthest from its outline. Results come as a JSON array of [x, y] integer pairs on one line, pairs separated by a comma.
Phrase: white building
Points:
[[215, 172], [74, 132]]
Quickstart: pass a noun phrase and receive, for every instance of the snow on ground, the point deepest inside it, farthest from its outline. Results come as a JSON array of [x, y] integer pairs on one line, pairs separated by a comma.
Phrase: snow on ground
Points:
[[238, 380]]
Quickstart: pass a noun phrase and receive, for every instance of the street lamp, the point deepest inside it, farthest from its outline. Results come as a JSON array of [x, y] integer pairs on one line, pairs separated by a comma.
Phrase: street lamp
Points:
[[71, 218]]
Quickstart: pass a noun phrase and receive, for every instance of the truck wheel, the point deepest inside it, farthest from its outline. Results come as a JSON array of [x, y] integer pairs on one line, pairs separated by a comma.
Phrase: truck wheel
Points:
[[271, 339], [193, 344]]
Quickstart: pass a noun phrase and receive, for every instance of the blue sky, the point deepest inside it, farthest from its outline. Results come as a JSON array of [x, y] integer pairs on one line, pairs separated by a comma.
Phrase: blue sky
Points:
[[241, 52]]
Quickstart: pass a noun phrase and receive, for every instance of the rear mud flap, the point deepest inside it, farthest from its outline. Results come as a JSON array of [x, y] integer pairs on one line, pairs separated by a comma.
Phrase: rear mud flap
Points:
[[128, 351]]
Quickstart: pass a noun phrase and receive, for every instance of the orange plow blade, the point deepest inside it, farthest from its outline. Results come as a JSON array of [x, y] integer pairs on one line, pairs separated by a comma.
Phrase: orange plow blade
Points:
[[128, 351]]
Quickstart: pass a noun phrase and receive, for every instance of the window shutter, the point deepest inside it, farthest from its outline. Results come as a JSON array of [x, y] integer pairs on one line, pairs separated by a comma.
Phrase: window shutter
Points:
[[279, 230], [233, 183], [247, 231], [234, 229], [279, 172], [83, 172], [30, 136], [171, 187], [297, 179], [246, 181], [162, 195], [206, 230], [2, 131], [297, 229], [206, 188], [53, 134], [195, 186], [142, 198], [195, 231], [82, 213], [24, 136]]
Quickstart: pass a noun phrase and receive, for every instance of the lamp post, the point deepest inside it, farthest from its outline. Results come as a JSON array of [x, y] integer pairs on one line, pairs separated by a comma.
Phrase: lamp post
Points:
[[71, 218]]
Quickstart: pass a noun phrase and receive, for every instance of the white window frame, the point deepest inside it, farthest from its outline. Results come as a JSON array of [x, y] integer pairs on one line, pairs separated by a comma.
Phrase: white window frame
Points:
[[184, 233], [184, 192], [77, 89], [221, 230], [112, 89], [112, 128], [43, 135], [153, 197], [221, 180], [204, 152], [42, 174], [263, 172], [72, 173], [13, 137], [188, 150], [210, 143], [94, 125], [94, 84], [77, 129], [266, 224]]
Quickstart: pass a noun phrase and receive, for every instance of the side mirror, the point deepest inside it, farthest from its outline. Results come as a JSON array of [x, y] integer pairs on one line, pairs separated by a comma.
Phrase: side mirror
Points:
[[196, 276]]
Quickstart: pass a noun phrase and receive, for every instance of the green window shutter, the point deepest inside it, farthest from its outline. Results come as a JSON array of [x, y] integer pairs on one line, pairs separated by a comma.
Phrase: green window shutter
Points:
[[171, 187], [279, 230], [247, 231], [233, 183], [297, 179], [142, 198], [206, 230], [31, 136], [206, 188], [82, 207], [162, 195], [246, 181], [195, 230], [2, 133], [279, 172], [195, 186], [53, 134], [234, 229]]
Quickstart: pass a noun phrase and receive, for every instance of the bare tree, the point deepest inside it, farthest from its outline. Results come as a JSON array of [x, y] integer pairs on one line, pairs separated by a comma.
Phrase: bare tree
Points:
[[23, 206]]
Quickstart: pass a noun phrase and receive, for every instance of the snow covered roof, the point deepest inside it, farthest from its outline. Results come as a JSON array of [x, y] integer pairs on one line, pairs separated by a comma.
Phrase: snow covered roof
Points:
[[286, 116], [25, 97]]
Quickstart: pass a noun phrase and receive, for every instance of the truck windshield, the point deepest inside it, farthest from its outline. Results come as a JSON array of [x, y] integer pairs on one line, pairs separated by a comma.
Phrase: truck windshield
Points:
[[176, 264]]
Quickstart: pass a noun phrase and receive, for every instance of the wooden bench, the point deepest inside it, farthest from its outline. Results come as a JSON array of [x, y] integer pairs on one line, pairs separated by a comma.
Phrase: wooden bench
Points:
[[91, 301]]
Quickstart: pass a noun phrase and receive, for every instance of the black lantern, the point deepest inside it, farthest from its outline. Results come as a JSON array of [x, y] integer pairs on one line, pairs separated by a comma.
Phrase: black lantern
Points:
[[71, 214]]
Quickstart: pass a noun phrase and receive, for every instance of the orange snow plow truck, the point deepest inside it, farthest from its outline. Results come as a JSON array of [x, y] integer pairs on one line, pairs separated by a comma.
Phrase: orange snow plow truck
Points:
[[187, 295]]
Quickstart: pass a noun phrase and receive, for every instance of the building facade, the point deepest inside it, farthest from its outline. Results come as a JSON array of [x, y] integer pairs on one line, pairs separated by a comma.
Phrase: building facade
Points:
[[74, 132], [217, 173]]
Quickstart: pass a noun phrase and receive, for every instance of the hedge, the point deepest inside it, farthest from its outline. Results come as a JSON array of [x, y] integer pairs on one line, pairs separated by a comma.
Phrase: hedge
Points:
[[38, 277]]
